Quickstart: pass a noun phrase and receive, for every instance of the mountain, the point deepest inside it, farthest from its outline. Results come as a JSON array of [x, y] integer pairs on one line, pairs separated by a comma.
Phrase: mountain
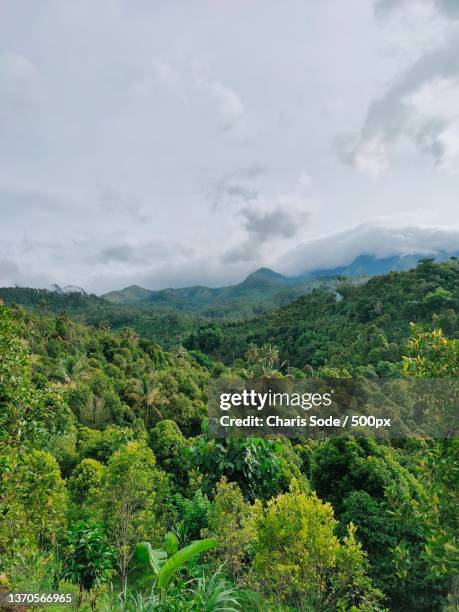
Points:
[[259, 297], [262, 289], [262, 282], [369, 265], [366, 327], [265, 276], [168, 315], [129, 295]]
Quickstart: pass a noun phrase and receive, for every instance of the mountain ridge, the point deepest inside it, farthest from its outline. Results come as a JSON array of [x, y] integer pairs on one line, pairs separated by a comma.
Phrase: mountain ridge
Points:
[[265, 282], [259, 292]]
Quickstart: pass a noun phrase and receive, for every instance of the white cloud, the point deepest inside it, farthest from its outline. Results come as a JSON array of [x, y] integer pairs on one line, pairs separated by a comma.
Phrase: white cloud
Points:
[[229, 105], [435, 120], [370, 157], [423, 8], [447, 142], [421, 106], [264, 226], [372, 238], [304, 182], [153, 76], [20, 80], [111, 123], [235, 186], [269, 221]]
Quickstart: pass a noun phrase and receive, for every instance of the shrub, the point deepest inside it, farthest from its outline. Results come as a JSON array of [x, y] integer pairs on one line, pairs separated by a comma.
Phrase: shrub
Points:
[[231, 523], [299, 560]]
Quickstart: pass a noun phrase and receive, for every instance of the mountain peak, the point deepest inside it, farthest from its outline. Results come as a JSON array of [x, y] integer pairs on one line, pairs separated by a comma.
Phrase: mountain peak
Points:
[[265, 274]]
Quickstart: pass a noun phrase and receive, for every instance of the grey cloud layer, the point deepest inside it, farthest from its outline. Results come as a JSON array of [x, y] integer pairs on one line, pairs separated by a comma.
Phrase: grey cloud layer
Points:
[[395, 115], [449, 8], [369, 239], [157, 251], [421, 106], [262, 227], [237, 185], [172, 143]]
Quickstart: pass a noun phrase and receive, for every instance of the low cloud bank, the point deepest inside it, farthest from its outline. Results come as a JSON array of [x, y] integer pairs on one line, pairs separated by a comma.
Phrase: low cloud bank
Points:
[[158, 265], [343, 247]]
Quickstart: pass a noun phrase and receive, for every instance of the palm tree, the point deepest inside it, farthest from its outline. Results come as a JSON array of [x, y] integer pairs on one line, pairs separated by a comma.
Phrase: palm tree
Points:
[[130, 335], [270, 357], [180, 352], [262, 359], [70, 368], [147, 396], [252, 354]]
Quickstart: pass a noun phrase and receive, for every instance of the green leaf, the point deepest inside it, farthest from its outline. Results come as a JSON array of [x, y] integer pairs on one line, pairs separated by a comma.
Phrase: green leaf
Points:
[[144, 554], [170, 543], [179, 559]]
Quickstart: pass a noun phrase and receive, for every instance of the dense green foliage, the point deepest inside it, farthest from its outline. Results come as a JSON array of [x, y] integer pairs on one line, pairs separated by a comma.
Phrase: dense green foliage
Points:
[[259, 292], [86, 558], [170, 315], [105, 445], [297, 553], [363, 332], [160, 325]]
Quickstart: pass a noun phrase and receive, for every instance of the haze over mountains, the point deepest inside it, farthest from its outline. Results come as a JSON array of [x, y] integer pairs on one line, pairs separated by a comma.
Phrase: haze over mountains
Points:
[[169, 316], [357, 253], [266, 284]]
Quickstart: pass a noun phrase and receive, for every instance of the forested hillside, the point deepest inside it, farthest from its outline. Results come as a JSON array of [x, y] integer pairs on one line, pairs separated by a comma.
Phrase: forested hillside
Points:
[[362, 327], [170, 315], [258, 293], [148, 311], [165, 327], [104, 446]]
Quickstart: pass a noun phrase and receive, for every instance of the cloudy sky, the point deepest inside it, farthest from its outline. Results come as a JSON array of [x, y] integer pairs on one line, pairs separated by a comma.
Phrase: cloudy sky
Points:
[[177, 142]]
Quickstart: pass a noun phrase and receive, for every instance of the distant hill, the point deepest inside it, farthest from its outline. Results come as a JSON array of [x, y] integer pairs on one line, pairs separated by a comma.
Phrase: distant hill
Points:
[[163, 326], [172, 315], [169, 315], [367, 326], [369, 265], [129, 295], [259, 292], [262, 282], [263, 289]]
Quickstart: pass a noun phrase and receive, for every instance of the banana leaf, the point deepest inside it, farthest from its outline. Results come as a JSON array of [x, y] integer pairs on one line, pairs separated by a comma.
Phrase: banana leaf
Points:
[[170, 543], [179, 559], [144, 555]]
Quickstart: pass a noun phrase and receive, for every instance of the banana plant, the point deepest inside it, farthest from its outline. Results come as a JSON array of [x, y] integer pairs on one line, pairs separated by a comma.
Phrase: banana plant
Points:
[[145, 556], [166, 563]]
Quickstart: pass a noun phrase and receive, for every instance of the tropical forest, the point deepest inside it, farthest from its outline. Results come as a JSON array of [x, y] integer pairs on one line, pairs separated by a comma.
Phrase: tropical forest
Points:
[[114, 495]]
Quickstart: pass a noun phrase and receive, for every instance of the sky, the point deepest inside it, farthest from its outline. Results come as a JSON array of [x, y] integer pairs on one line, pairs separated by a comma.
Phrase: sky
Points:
[[182, 142]]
